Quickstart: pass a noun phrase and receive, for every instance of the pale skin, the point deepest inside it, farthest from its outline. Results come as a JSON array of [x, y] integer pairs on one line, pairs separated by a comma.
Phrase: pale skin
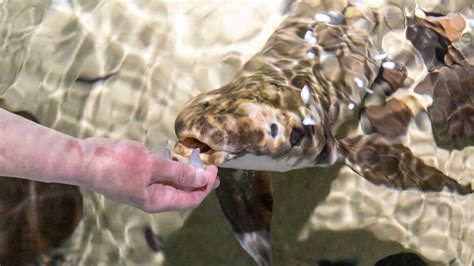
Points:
[[123, 170]]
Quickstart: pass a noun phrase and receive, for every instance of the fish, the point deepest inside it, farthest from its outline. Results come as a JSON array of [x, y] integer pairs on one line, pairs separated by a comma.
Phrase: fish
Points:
[[323, 92]]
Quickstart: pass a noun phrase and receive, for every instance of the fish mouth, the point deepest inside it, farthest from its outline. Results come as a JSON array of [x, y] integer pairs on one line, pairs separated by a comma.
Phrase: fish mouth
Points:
[[194, 143], [209, 155]]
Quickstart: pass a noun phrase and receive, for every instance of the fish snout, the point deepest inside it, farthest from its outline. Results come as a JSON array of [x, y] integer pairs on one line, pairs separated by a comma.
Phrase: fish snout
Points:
[[193, 133], [197, 133]]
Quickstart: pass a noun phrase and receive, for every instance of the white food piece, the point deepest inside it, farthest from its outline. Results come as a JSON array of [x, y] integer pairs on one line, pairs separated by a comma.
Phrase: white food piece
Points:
[[194, 160]]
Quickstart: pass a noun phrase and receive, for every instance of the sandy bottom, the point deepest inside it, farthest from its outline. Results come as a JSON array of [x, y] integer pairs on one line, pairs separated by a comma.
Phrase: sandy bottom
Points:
[[123, 69]]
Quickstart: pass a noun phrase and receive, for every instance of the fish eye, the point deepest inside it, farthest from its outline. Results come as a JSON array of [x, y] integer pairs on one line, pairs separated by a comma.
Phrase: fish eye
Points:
[[296, 136]]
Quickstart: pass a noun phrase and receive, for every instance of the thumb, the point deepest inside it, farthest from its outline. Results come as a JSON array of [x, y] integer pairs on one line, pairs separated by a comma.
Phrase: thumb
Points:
[[212, 174], [180, 173]]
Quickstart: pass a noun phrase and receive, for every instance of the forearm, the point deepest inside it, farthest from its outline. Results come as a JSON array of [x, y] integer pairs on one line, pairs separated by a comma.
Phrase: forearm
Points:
[[123, 170], [29, 150]]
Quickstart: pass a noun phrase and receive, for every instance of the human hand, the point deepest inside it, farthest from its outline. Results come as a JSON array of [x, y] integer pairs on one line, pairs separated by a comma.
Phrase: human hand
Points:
[[128, 172]]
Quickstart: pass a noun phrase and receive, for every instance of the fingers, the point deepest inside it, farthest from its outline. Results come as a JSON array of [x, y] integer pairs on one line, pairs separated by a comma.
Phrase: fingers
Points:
[[212, 171], [177, 186], [162, 197], [180, 174]]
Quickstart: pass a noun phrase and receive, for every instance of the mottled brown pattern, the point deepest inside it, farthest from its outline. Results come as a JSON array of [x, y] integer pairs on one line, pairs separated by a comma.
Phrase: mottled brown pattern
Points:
[[395, 77], [380, 161], [450, 82], [261, 111], [273, 80], [452, 111], [428, 42], [433, 37], [390, 119], [450, 26]]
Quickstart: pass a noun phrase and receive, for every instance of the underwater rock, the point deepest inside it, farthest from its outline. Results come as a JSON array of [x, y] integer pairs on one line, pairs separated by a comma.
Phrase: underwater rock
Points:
[[403, 258]]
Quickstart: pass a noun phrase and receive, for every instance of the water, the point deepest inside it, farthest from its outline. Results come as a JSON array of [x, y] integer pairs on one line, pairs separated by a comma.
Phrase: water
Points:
[[125, 69]]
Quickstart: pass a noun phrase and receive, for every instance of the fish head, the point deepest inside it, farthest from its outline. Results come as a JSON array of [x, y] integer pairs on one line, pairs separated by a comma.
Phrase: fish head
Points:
[[253, 123]]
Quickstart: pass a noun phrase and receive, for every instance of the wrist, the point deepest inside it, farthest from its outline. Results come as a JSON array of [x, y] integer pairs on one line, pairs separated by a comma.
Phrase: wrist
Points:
[[106, 160], [66, 164], [88, 167]]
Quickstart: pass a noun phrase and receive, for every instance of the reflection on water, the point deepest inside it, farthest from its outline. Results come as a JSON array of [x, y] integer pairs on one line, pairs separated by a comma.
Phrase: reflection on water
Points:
[[126, 69]]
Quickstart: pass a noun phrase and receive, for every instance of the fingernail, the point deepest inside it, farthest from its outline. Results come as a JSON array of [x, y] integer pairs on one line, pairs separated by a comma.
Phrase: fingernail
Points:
[[217, 183], [201, 178]]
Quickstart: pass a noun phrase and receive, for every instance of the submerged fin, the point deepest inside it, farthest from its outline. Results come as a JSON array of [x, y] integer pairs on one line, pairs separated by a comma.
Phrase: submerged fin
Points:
[[432, 36], [452, 111], [246, 201], [450, 78], [394, 165]]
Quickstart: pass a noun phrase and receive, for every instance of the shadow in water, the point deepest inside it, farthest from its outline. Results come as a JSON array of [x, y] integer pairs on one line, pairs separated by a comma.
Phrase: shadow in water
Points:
[[207, 239]]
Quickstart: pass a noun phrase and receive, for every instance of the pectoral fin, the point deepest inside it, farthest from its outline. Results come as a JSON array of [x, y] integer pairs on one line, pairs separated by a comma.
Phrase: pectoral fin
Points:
[[246, 200], [394, 165]]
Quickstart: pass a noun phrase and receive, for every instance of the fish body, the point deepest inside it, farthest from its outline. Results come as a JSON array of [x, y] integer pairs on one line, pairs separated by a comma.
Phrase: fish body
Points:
[[286, 110], [330, 88], [284, 104]]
